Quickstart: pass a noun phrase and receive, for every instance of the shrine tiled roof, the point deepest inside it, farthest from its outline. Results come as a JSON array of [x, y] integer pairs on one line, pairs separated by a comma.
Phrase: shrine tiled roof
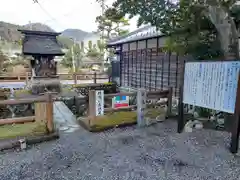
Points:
[[143, 33], [38, 42]]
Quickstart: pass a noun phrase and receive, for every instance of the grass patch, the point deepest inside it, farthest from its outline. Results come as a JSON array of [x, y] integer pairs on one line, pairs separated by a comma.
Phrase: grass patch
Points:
[[21, 93], [117, 119], [22, 130], [111, 120], [66, 89], [108, 83], [80, 85]]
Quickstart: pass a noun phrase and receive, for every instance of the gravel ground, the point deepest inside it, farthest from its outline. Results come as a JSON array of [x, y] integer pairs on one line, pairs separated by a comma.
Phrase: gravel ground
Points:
[[156, 152]]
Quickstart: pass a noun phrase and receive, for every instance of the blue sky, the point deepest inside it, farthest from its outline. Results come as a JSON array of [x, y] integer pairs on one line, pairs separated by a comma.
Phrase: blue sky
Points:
[[60, 14]]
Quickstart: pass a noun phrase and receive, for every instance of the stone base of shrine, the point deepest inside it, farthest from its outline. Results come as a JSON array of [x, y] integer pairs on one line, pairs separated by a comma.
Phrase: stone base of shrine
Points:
[[41, 85]]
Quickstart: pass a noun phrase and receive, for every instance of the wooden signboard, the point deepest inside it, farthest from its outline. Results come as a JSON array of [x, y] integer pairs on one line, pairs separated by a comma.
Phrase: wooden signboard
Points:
[[212, 85], [99, 102]]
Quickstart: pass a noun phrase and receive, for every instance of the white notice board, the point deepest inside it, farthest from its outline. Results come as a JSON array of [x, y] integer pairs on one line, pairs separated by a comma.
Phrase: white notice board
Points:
[[211, 85]]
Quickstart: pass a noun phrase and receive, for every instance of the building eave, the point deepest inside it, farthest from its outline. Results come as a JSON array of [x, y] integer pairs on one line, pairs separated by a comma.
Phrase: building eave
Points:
[[144, 33], [44, 33]]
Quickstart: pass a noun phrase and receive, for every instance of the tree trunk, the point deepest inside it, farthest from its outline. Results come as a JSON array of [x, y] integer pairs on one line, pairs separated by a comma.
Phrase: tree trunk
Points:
[[226, 29], [228, 34]]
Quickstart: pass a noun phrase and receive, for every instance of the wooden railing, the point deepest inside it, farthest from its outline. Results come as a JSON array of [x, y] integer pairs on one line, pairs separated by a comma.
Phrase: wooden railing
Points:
[[44, 106], [43, 111], [8, 78], [142, 97], [94, 76], [71, 76]]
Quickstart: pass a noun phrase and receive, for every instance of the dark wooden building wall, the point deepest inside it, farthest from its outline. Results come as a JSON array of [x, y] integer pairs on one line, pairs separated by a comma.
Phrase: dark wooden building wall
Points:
[[150, 68]]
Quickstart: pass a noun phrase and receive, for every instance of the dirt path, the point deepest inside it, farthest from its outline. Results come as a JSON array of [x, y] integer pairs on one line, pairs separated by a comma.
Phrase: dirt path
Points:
[[126, 154]]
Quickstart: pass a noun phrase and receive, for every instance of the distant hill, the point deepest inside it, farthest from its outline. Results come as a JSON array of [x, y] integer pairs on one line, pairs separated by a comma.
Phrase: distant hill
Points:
[[9, 33], [76, 34]]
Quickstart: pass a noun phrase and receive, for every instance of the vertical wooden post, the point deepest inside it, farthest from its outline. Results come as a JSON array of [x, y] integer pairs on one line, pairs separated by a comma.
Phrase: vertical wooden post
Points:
[[26, 78], [75, 78], [49, 113], [141, 106], [181, 120], [169, 102], [236, 122], [91, 107], [19, 77], [95, 78], [96, 105], [40, 112]]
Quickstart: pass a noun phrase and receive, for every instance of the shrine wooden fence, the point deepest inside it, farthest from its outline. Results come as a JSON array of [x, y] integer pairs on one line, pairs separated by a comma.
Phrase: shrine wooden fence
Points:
[[44, 106], [43, 111], [141, 102], [70, 76]]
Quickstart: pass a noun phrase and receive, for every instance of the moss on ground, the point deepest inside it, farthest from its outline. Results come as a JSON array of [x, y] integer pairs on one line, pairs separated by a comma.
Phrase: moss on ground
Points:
[[108, 83], [115, 119], [111, 120], [22, 130], [21, 93], [80, 85], [67, 89]]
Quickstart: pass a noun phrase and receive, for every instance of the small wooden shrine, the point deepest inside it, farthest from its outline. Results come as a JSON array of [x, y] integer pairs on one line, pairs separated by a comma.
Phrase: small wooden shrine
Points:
[[43, 47]]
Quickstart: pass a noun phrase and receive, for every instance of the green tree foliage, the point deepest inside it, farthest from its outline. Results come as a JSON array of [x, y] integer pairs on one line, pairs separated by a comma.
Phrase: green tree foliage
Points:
[[94, 50], [187, 22], [101, 45], [82, 45], [112, 23], [65, 42], [90, 45], [75, 53], [3, 61]]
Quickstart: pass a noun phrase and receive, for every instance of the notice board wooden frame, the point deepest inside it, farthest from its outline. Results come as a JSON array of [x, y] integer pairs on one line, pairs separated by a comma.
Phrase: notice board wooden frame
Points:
[[235, 127]]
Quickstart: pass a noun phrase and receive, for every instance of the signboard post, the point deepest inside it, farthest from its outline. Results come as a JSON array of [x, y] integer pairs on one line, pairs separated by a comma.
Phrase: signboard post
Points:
[[99, 102], [212, 85], [141, 107], [236, 123], [96, 104]]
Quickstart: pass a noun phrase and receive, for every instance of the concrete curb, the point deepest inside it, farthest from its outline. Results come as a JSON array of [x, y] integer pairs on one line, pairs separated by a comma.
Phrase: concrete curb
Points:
[[14, 143], [91, 129]]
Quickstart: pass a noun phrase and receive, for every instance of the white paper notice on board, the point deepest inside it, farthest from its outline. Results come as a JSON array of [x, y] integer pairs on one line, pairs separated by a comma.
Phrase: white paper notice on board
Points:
[[99, 102], [211, 85]]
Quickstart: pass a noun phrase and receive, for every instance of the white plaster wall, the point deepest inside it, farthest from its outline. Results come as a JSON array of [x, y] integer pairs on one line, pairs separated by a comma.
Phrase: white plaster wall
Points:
[[142, 44], [133, 46], [152, 43], [162, 41], [125, 47]]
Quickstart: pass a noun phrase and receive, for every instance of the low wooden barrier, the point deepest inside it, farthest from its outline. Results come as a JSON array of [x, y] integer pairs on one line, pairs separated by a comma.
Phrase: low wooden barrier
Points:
[[95, 106], [43, 111], [94, 76], [71, 76], [7, 78], [44, 106]]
